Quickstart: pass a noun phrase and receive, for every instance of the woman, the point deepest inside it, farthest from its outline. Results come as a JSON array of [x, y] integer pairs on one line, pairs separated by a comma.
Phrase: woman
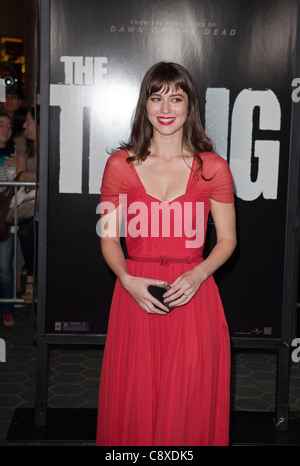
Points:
[[165, 376], [7, 246], [27, 172]]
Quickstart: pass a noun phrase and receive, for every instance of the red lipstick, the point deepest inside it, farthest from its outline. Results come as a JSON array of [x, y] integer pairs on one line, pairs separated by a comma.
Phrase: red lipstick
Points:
[[166, 120]]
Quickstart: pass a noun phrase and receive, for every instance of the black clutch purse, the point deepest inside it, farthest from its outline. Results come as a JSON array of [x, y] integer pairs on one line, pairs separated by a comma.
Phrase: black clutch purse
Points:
[[157, 292]]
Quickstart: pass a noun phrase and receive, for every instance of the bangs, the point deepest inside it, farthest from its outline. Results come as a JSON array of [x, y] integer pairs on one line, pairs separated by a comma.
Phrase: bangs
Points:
[[164, 80], [164, 87]]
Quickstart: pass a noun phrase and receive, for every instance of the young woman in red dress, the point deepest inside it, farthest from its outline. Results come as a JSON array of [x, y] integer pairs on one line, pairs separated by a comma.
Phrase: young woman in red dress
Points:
[[165, 377]]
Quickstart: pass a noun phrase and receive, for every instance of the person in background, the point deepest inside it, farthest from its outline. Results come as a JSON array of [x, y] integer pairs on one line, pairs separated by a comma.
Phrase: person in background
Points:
[[13, 106], [13, 102], [20, 142], [7, 246], [19, 136], [27, 172]]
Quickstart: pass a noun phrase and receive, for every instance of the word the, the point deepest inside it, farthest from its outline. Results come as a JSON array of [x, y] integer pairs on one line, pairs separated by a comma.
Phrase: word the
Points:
[[89, 73]]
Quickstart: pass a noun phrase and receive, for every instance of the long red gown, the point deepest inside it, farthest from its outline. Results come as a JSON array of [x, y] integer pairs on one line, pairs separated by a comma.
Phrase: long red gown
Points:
[[165, 379]]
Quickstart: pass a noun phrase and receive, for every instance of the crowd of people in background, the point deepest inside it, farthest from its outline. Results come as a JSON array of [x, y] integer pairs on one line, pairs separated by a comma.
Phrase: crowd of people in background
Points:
[[18, 133]]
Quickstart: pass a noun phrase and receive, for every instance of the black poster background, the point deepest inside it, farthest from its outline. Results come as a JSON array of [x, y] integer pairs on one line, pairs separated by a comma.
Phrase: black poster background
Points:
[[260, 55]]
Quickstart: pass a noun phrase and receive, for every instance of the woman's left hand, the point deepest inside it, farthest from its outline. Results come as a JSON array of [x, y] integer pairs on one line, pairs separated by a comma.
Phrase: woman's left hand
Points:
[[185, 287], [11, 161]]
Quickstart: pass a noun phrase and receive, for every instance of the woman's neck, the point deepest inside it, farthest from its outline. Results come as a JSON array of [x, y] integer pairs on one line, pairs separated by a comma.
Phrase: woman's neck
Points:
[[167, 146]]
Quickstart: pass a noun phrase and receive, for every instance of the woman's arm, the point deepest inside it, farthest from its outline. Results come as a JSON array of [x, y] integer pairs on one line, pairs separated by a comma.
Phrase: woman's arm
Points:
[[225, 224], [22, 167], [186, 286]]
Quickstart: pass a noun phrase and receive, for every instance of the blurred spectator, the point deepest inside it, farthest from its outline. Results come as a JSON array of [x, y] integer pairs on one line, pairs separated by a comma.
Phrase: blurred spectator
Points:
[[27, 172], [7, 246], [20, 142], [13, 102], [18, 119]]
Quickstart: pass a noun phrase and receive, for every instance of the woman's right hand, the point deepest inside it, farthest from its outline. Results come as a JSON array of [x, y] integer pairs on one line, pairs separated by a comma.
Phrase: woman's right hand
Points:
[[11, 161], [137, 287]]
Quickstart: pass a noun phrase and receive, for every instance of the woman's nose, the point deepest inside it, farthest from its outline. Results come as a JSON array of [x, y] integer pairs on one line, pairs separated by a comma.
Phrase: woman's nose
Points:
[[165, 106]]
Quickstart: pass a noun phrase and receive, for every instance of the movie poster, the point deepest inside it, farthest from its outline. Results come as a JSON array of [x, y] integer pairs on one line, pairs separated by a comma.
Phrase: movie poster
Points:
[[241, 56]]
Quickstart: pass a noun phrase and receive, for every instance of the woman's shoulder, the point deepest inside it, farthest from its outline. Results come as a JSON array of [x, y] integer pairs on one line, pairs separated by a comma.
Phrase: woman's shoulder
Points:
[[213, 163], [117, 174], [119, 156], [213, 158], [218, 183], [118, 168]]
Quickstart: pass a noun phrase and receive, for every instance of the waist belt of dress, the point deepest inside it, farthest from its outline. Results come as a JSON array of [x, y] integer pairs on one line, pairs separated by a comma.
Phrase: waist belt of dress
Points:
[[166, 260]]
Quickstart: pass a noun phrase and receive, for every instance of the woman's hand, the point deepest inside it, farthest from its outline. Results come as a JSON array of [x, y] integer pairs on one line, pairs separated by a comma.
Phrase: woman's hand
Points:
[[11, 161], [185, 287], [137, 287]]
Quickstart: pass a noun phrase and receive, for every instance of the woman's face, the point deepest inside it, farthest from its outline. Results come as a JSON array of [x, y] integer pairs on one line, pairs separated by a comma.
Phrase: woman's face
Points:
[[5, 130], [167, 112], [29, 126]]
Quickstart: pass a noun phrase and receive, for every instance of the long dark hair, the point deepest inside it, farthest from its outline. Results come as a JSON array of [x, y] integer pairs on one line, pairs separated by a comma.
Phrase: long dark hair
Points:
[[31, 145], [18, 119], [165, 75]]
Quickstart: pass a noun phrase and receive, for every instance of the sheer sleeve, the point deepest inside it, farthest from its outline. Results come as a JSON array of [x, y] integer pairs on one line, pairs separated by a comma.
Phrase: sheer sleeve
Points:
[[221, 183], [116, 178]]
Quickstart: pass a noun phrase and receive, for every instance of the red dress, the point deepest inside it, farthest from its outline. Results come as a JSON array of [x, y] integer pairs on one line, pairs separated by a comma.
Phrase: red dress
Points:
[[165, 379]]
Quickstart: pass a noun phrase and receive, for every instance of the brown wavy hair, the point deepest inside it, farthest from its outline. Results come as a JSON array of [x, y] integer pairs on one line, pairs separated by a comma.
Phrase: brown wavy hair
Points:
[[164, 75], [31, 145]]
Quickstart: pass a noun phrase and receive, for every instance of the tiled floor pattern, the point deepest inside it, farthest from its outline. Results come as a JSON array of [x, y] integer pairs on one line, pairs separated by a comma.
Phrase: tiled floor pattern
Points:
[[74, 376]]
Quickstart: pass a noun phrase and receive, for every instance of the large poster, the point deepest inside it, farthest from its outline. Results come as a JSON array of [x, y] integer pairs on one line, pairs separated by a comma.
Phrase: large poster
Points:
[[241, 56]]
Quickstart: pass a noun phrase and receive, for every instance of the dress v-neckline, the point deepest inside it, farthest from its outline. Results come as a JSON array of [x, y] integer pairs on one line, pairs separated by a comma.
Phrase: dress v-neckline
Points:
[[159, 200]]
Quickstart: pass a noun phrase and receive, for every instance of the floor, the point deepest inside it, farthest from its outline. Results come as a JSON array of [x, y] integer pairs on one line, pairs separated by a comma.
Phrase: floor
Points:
[[74, 379]]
